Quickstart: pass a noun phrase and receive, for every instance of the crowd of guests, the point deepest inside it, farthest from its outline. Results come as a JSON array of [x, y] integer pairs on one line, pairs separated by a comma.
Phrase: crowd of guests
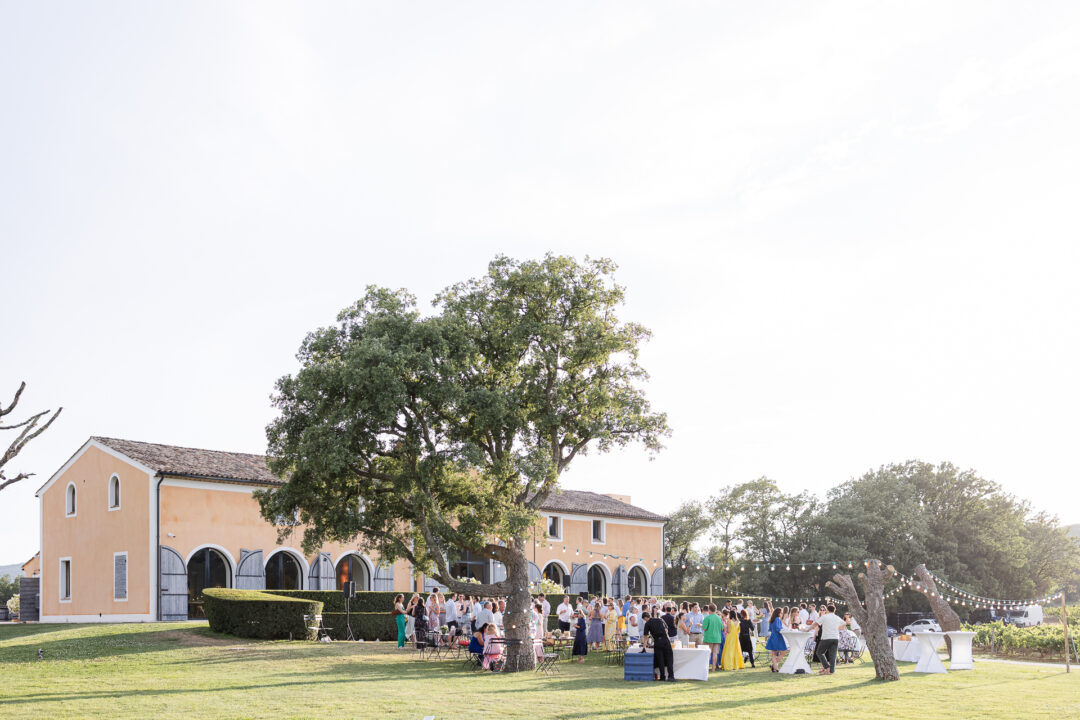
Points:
[[602, 623]]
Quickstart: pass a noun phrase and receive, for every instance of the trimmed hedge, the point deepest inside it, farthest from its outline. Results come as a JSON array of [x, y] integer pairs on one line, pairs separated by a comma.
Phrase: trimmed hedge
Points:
[[365, 626], [258, 614]]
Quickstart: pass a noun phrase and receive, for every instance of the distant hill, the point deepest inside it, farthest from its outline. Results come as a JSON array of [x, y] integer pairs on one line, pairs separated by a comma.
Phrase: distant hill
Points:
[[1074, 530], [11, 570]]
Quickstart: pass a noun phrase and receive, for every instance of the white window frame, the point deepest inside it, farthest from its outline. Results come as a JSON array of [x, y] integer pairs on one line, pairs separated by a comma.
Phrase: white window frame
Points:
[[603, 532], [558, 519], [75, 500], [71, 579], [127, 574], [109, 492]]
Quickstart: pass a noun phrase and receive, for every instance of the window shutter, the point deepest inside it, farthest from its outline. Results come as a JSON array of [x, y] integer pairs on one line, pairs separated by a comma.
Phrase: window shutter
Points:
[[120, 577]]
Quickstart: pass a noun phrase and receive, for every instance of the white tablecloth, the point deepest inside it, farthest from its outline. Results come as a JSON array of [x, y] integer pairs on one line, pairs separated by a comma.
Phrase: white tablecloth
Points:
[[929, 662], [962, 658], [906, 650], [689, 663], [796, 657]]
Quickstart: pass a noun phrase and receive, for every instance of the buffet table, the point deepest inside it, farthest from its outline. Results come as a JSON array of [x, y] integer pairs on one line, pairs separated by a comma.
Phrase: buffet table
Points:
[[905, 650], [689, 663]]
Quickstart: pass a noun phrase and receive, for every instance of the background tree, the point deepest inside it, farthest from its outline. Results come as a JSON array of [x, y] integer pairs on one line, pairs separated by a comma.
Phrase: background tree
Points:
[[683, 528], [28, 430], [9, 587], [421, 437], [946, 617]]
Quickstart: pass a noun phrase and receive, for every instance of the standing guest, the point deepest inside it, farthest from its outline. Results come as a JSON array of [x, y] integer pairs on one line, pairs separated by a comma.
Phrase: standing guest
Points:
[[814, 615], [669, 619], [746, 631], [776, 645], [663, 658], [476, 607], [465, 613], [695, 617], [399, 619], [731, 656], [738, 608], [611, 626], [452, 614], [830, 637], [633, 622], [497, 615], [433, 617], [682, 629], [581, 646], [566, 613], [727, 607], [546, 612], [596, 626], [420, 622], [713, 633], [626, 605], [752, 614], [410, 618], [485, 615], [804, 615], [581, 606]]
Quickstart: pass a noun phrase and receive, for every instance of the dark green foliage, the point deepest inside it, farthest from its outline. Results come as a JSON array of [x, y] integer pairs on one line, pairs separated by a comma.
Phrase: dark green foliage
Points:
[[9, 586], [334, 600], [365, 626], [257, 614]]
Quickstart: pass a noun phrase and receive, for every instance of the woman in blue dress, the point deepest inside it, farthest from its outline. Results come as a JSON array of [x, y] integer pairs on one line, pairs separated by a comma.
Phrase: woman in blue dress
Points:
[[596, 626], [581, 645], [776, 645]]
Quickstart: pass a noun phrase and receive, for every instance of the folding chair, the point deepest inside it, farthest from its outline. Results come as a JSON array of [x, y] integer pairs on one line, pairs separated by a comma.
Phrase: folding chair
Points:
[[549, 664]]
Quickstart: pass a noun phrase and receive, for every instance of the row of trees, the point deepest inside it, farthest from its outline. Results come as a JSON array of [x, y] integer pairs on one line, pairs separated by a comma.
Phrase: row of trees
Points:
[[962, 526]]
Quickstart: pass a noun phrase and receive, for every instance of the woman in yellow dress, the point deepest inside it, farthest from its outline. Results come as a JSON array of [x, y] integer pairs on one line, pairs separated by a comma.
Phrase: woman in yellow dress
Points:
[[732, 656], [610, 625]]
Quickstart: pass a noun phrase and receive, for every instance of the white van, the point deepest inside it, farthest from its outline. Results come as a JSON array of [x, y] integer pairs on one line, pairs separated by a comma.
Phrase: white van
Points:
[[1027, 617]]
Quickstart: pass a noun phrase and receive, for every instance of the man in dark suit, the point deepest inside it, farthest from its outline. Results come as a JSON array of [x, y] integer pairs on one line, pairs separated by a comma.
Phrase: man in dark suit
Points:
[[663, 658]]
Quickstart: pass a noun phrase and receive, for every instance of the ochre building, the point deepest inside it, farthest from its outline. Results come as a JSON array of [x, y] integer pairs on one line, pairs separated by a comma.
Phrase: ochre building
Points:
[[134, 531]]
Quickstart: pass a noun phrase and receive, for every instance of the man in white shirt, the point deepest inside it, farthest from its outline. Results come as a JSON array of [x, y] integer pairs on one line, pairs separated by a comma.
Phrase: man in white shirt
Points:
[[830, 626], [451, 613], [565, 613], [813, 616], [485, 615], [546, 612], [497, 615], [804, 614]]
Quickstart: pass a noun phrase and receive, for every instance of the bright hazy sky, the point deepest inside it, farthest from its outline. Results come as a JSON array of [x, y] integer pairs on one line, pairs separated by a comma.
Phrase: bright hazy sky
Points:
[[851, 226]]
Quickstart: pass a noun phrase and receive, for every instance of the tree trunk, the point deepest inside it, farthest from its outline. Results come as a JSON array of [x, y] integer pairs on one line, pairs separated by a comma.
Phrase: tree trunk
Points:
[[518, 616], [944, 614], [870, 614]]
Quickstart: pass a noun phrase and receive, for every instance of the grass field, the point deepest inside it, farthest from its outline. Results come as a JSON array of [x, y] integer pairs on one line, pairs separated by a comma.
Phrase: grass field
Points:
[[186, 671]]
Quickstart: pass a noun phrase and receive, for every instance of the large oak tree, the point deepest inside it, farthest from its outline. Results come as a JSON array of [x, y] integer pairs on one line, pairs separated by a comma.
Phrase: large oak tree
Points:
[[422, 436]]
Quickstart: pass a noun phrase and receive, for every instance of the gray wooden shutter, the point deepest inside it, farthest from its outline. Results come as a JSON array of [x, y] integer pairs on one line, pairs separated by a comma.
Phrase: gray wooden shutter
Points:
[[619, 581], [250, 574], [321, 576], [384, 578], [579, 579], [431, 584], [173, 597], [120, 580], [657, 587], [29, 593], [534, 573]]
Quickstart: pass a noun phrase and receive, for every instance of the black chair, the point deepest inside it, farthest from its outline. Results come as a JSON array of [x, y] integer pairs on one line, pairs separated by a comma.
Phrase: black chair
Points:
[[549, 664]]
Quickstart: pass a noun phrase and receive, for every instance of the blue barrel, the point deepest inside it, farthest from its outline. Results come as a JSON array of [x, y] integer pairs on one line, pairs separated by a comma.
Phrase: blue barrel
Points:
[[638, 666]]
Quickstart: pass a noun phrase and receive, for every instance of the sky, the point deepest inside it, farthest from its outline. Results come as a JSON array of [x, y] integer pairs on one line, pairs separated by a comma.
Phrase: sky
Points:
[[851, 227]]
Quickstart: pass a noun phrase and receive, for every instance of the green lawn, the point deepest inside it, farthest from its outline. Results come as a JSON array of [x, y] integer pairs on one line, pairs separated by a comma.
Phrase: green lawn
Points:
[[186, 671]]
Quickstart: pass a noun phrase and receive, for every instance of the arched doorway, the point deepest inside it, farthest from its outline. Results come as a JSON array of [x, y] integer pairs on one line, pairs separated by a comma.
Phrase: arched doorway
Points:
[[207, 568], [555, 573], [283, 572], [353, 568], [597, 581], [637, 582]]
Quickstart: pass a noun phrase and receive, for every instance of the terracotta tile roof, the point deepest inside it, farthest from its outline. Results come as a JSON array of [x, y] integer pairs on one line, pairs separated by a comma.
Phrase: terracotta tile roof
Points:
[[590, 503], [247, 468], [217, 464]]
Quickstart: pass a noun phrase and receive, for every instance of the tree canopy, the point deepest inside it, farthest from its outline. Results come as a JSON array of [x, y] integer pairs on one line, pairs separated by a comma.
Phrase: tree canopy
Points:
[[418, 436]]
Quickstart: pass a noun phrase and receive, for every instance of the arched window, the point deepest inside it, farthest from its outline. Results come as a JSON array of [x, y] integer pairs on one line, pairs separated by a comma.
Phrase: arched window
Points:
[[207, 568], [352, 568], [555, 574], [637, 582], [283, 572], [597, 581], [114, 492], [69, 502]]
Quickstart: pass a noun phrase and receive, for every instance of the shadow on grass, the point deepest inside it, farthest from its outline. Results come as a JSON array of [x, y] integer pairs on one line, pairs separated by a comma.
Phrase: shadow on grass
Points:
[[137, 640]]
